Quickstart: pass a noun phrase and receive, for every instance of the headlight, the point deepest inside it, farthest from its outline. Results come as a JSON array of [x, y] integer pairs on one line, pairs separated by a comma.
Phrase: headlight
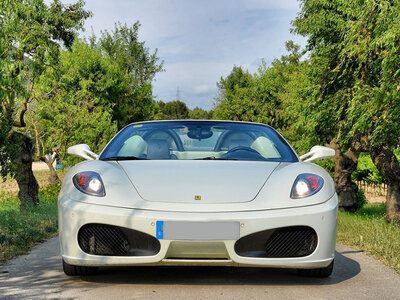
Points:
[[89, 183], [306, 185]]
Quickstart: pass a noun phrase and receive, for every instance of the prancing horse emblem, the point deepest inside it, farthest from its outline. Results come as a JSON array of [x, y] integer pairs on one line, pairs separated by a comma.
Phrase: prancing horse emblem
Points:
[[197, 197]]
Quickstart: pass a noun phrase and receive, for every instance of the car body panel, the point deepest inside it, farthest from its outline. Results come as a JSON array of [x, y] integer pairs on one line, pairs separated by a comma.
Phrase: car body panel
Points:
[[181, 181], [274, 194], [252, 196], [74, 214]]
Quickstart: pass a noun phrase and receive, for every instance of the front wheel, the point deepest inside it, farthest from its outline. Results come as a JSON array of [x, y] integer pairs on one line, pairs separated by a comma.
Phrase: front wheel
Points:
[[72, 270], [320, 272]]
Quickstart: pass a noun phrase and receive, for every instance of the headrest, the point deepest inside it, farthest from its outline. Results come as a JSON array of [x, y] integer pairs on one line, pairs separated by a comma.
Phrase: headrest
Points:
[[134, 146], [265, 147], [157, 149]]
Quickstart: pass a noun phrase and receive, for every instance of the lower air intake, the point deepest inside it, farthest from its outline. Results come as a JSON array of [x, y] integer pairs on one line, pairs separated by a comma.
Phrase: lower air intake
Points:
[[107, 240], [295, 241]]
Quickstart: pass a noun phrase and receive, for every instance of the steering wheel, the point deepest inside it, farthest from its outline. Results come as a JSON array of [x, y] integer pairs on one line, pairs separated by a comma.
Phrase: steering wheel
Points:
[[242, 148], [243, 152]]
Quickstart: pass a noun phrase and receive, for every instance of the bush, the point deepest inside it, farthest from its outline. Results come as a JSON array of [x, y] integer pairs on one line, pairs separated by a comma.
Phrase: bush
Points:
[[19, 230], [366, 170], [361, 199]]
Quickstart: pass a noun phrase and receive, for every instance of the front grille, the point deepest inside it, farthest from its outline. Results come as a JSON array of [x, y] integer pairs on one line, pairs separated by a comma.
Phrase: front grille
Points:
[[101, 239], [295, 241], [291, 242]]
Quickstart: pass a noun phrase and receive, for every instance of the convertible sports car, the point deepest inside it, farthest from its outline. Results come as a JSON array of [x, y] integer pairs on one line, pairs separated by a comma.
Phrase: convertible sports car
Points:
[[198, 193]]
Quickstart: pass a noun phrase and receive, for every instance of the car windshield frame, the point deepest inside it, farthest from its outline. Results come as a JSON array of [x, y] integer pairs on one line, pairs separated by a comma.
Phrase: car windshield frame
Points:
[[203, 140]]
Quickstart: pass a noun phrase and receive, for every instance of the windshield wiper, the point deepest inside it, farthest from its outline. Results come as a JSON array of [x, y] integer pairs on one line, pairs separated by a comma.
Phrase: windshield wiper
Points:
[[124, 158], [215, 158]]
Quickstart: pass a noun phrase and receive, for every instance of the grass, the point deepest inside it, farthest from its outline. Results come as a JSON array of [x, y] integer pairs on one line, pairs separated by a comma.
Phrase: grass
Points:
[[368, 230], [20, 230]]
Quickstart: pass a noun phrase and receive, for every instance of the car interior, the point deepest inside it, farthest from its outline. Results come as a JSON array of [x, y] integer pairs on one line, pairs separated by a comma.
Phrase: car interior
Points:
[[169, 145]]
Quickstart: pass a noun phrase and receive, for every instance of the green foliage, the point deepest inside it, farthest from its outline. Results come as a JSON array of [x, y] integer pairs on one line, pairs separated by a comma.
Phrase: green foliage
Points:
[[366, 170], [233, 93], [19, 230], [200, 114], [259, 97], [138, 68], [361, 199], [6, 151], [328, 165], [74, 101], [367, 229], [355, 50], [31, 33], [173, 110]]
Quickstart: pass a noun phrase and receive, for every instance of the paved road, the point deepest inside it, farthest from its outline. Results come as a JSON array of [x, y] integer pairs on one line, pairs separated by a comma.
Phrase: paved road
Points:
[[39, 276]]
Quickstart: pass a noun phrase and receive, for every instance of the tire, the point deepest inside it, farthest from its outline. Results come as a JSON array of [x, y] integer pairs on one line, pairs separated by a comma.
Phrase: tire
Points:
[[72, 270], [320, 272]]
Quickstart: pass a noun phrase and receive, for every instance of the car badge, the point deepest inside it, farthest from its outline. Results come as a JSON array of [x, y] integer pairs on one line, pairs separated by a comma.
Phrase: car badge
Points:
[[197, 197]]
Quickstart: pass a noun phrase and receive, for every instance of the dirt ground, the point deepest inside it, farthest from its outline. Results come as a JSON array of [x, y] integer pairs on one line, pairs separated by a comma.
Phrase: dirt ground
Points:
[[11, 186], [372, 198]]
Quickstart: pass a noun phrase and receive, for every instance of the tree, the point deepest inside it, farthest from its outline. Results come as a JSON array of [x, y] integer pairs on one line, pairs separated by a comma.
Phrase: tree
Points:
[[96, 84], [31, 32], [276, 95], [173, 110], [74, 103], [234, 91], [139, 67], [65, 123], [200, 114], [355, 56], [257, 98]]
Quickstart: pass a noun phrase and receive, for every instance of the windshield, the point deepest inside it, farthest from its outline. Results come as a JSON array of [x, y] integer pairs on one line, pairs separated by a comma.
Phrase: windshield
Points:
[[208, 140]]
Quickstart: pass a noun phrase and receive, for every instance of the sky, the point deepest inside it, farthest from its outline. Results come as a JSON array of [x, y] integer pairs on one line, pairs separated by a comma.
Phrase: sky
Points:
[[200, 41]]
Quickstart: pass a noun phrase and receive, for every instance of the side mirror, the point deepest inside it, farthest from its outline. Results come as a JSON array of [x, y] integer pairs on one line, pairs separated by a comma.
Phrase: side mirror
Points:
[[83, 151], [318, 152]]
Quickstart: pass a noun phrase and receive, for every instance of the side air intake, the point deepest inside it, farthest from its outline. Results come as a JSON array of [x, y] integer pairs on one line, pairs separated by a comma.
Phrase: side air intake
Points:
[[101, 239], [295, 241]]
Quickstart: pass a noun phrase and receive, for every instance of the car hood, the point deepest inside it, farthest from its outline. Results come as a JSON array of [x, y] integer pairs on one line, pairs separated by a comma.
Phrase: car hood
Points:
[[153, 180], [189, 181]]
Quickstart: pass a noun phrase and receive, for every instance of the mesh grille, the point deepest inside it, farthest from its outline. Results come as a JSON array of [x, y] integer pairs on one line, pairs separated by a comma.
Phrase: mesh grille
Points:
[[291, 242], [296, 241], [101, 239]]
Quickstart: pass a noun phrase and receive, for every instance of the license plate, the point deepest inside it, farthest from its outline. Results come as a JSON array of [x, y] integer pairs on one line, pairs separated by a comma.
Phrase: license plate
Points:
[[179, 230]]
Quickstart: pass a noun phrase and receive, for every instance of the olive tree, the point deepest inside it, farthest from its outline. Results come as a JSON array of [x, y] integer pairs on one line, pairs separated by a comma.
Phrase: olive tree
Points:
[[354, 51], [30, 41]]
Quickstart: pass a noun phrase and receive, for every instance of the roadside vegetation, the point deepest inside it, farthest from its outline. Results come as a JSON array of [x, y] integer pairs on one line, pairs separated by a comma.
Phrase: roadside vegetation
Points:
[[368, 231], [21, 229]]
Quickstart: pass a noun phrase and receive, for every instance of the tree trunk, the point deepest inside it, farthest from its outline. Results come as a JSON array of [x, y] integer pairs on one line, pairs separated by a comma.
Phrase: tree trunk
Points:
[[53, 178], [346, 189], [28, 187], [387, 163]]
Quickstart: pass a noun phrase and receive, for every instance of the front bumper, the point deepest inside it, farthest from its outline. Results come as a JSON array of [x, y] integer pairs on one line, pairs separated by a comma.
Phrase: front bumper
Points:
[[73, 215]]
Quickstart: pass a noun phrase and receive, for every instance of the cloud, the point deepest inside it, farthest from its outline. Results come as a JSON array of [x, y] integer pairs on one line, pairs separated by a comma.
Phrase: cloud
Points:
[[200, 41], [201, 89]]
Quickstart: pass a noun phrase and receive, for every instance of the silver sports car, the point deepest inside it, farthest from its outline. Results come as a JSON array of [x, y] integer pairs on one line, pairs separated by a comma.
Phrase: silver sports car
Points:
[[198, 193]]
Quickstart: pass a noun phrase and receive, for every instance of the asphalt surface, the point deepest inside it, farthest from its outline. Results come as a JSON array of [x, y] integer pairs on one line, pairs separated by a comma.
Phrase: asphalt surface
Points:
[[39, 275]]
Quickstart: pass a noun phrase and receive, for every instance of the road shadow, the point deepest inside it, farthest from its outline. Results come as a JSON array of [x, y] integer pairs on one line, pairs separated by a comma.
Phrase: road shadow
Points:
[[345, 269], [39, 275]]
